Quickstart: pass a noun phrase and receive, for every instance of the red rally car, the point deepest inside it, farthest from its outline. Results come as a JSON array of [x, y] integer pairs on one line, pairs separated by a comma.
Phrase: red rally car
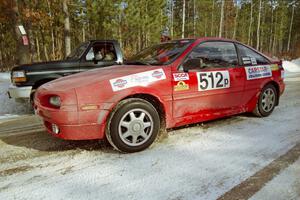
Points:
[[167, 85]]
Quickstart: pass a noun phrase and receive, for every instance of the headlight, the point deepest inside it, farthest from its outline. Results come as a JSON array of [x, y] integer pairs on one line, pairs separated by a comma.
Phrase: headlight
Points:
[[55, 101], [18, 76]]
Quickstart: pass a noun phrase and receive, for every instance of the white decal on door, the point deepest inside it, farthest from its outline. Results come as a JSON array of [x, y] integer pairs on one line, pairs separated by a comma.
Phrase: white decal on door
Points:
[[213, 80], [256, 72]]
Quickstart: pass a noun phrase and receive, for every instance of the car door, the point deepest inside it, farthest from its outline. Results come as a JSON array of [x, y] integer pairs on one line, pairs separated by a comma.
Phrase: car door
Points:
[[257, 70], [99, 54], [209, 81]]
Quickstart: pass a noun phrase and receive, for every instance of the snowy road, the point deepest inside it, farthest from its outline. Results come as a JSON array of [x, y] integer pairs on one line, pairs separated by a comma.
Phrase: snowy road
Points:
[[198, 162]]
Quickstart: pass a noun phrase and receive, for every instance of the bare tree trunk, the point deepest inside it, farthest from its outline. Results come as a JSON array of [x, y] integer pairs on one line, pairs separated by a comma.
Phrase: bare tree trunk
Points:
[[221, 19], [172, 18], [275, 38], [194, 19], [83, 28], [53, 56], [212, 18], [281, 38], [205, 27], [258, 27], [32, 44], [290, 29], [37, 44], [261, 46], [183, 19], [45, 51], [44, 45], [83, 33], [250, 26], [67, 28], [235, 21], [22, 49], [270, 39], [53, 44]]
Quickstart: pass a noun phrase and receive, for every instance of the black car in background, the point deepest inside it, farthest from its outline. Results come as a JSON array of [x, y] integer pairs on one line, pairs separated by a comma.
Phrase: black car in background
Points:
[[89, 55]]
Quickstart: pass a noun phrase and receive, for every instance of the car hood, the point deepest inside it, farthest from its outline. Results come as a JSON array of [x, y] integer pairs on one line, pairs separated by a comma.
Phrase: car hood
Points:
[[46, 65], [95, 76]]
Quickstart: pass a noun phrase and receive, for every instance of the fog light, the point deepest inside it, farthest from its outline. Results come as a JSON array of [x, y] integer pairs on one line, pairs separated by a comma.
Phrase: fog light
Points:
[[55, 129]]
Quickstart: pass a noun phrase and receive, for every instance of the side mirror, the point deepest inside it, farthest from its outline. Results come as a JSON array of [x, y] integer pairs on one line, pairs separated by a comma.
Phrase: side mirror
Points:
[[195, 63]]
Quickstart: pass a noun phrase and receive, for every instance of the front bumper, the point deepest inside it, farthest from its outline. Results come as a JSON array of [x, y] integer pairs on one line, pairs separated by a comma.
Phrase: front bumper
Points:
[[77, 132], [19, 92], [74, 125]]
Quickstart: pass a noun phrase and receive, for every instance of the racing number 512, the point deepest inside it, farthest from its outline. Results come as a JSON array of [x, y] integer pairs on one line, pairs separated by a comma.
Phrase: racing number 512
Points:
[[213, 80]]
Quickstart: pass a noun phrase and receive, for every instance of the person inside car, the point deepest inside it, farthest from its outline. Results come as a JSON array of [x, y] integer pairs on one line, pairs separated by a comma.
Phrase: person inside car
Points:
[[99, 55], [109, 55]]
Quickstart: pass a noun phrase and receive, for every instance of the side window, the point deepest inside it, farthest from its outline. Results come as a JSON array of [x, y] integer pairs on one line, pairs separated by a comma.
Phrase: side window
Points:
[[212, 55], [250, 57], [101, 52], [90, 55]]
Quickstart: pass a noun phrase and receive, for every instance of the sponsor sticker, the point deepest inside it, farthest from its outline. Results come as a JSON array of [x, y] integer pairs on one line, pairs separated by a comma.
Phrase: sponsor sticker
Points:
[[157, 74], [181, 85], [256, 72], [138, 79], [253, 61], [246, 60], [120, 83], [181, 76], [274, 67]]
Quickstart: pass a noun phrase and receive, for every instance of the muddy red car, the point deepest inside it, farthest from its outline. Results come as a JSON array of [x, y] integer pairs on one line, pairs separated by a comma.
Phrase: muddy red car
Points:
[[164, 86]]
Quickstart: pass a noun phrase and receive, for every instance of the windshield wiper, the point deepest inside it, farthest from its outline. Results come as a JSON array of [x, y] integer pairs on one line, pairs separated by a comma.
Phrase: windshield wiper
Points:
[[137, 62]]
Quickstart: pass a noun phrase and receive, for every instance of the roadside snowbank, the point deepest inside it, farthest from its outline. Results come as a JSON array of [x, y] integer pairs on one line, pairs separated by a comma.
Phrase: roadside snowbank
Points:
[[9, 106], [292, 66], [296, 61], [5, 77]]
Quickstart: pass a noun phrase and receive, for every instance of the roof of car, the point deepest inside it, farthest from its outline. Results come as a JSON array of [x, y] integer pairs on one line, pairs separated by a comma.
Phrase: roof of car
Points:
[[206, 38], [102, 40]]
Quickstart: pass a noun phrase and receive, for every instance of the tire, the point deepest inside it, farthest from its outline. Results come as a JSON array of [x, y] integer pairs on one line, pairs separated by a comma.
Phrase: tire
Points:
[[266, 101], [133, 125]]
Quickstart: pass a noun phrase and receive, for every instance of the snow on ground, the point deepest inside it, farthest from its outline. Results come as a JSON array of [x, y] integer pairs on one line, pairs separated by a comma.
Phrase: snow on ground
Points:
[[192, 163], [8, 107], [292, 66], [286, 185]]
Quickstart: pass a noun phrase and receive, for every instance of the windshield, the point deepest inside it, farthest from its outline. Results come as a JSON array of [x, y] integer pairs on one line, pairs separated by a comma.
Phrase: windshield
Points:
[[160, 54], [76, 53]]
